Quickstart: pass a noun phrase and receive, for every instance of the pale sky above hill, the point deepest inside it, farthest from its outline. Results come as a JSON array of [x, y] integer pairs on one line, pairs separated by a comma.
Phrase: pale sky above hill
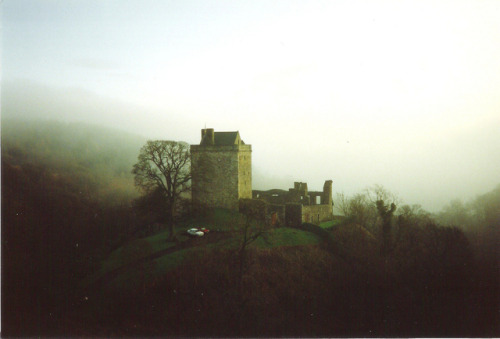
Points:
[[400, 93]]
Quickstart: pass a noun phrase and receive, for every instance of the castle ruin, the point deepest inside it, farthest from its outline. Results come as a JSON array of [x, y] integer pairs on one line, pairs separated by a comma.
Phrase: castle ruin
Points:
[[221, 167], [298, 204]]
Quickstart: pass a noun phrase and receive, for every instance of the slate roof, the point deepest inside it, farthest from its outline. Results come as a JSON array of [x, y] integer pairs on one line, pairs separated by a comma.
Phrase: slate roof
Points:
[[226, 138], [223, 139]]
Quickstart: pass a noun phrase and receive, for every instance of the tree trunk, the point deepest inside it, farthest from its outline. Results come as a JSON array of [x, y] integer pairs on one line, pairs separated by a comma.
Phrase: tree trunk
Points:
[[171, 221]]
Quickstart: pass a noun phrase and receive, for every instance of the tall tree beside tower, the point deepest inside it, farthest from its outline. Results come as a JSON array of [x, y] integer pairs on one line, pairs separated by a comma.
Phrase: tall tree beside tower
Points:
[[164, 166]]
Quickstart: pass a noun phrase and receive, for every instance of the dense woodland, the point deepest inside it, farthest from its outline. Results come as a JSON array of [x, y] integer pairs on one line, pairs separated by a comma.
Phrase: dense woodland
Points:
[[66, 194], [69, 201]]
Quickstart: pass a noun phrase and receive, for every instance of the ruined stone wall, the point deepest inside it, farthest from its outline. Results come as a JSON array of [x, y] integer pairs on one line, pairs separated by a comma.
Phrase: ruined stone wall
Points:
[[256, 209], [299, 194], [261, 210], [315, 214], [218, 177], [313, 197], [280, 213], [293, 214], [319, 197], [300, 205], [290, 214], [327, 199], [274, 196]]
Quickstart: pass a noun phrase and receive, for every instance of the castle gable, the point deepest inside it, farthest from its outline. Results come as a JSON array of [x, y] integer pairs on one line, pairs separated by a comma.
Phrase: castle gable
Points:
[[211, 138], [227, 138]]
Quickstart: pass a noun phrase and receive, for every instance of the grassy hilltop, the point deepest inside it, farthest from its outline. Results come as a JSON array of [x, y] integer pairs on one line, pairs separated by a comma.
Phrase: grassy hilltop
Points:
[[84, 255]]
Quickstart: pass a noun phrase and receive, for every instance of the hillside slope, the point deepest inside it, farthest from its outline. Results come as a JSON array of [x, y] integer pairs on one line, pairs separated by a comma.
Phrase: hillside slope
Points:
[[73, 263], [99, 159], [66, 189]]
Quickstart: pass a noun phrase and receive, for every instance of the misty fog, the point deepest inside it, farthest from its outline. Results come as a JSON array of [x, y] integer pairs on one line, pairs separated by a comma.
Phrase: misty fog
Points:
[[112, 226], [427, 166], [402, 96]]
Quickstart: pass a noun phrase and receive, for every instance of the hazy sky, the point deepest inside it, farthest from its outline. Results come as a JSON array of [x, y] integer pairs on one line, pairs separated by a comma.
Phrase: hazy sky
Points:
[[401, 93]]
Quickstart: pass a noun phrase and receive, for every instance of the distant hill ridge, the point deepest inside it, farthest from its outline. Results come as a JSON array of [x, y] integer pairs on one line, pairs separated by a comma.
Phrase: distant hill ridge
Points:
[[98, 156]]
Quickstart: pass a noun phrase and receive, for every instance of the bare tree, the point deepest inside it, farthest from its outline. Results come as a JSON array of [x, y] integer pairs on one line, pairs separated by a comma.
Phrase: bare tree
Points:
[[378, 192], [342, 204], [386, 214], [165, 166], [361, 210]]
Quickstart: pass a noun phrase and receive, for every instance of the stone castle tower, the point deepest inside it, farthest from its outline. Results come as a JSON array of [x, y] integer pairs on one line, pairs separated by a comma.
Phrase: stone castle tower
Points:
[[221, 167]]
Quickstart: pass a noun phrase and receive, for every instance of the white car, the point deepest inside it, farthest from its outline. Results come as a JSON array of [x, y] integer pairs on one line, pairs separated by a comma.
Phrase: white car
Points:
[[196, 232]]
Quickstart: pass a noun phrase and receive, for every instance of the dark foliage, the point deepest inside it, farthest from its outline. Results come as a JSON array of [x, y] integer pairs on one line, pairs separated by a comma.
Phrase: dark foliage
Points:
[[303, 291], [151, 207], [52, 236], [59, 223]]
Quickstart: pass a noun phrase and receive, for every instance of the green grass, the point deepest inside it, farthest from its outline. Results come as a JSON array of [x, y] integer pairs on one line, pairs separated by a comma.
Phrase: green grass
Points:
[[285, 236], [133, 251], [170, 261], [217, 220], [132, 278], [275, 238], [330, 223], [225, 220], [137, 249], [159, 242]]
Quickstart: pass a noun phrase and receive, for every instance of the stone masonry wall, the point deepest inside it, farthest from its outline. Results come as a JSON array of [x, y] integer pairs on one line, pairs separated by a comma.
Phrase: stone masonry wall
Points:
[[300, 204], [293, 214], [256, 209], [315, 214], [216, 175], [245, 172]]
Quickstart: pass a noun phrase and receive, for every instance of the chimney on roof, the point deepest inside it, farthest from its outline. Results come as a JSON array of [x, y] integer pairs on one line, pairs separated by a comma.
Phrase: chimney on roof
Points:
[[207, 136]]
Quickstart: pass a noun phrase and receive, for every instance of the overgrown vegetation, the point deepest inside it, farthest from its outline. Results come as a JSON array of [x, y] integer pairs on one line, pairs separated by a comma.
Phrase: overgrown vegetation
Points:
[[66, 193], [84, 256]]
